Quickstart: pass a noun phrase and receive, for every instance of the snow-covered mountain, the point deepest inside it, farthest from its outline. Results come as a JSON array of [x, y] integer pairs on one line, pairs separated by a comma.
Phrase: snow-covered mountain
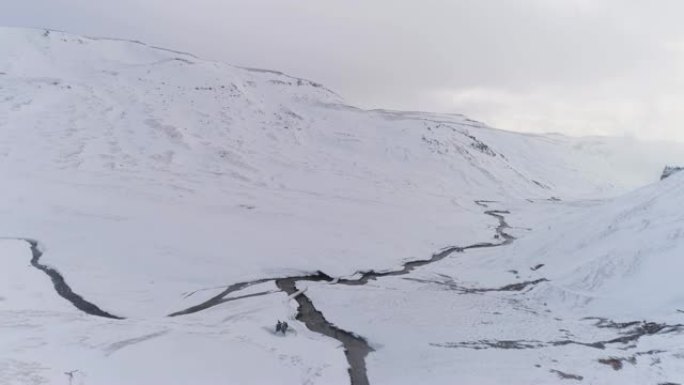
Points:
[[588, 292], [153, 180]]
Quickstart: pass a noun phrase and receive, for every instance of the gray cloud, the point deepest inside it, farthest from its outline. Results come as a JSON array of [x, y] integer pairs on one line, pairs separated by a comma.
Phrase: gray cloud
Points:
[[572, 66]]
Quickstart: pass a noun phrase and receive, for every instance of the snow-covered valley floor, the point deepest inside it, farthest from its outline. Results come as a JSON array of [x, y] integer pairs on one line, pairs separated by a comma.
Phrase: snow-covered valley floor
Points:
[[181, 207]]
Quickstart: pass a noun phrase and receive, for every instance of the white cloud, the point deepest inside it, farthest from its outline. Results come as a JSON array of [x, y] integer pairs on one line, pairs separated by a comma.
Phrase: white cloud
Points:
[[575, 66]]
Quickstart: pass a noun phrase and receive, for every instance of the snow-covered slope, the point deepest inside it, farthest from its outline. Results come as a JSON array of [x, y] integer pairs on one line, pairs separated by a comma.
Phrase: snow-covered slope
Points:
[[589, 292], [623, 257], [620, 257], [153, 179]]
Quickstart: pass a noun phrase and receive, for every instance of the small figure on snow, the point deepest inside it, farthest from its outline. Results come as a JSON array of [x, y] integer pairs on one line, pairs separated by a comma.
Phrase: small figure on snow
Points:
[[70, 375], [283, 327], [279, 326]]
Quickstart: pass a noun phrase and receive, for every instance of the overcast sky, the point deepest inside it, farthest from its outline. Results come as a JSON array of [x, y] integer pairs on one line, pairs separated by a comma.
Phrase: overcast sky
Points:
[[580, 67]]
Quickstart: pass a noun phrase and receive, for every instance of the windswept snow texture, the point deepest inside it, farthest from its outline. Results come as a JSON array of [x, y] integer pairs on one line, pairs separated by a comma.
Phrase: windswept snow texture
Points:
[[157, 182]]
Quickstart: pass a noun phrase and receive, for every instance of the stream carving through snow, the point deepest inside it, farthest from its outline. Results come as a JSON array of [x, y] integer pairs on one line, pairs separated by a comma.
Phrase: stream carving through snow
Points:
[[356, 348], [61, 287]]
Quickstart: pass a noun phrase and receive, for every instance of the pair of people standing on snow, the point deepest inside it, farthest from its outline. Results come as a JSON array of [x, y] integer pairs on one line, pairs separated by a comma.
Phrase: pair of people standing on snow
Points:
[[282, 327]]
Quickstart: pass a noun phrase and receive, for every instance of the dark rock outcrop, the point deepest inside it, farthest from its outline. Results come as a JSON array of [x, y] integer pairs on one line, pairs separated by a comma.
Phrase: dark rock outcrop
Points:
[[669, 170]]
